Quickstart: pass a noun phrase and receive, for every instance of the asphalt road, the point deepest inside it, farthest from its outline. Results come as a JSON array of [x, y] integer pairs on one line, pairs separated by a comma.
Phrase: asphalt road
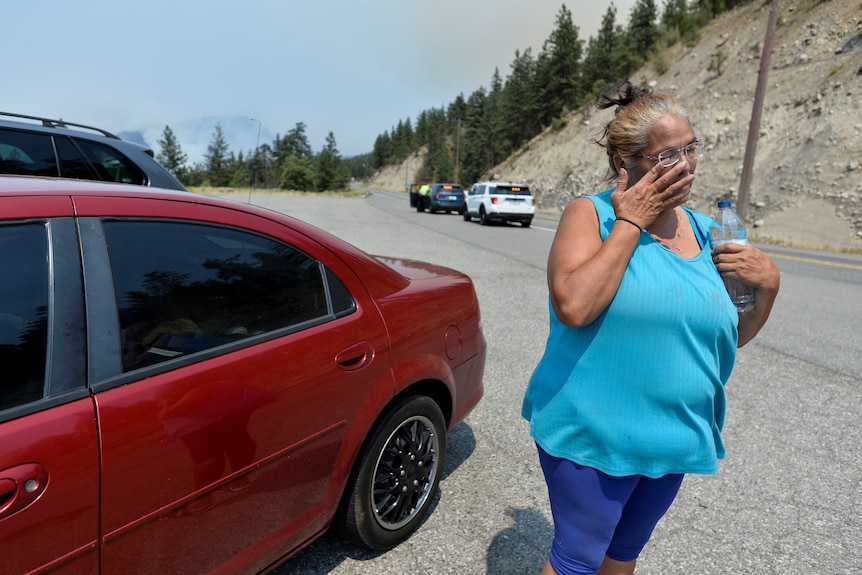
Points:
[[787, 499]]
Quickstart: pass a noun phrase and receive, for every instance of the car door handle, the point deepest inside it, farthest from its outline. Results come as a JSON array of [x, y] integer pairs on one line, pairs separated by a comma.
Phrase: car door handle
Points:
[[20, 486], [355, 357]]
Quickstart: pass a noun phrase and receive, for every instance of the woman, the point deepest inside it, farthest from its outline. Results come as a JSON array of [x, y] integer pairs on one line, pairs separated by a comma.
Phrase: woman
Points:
[[629, 394]]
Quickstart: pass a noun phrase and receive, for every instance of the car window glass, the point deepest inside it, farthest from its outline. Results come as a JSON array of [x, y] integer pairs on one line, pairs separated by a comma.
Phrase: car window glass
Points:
[[72, 164], [511, 190], [23, 313], [186, 287], [342, 301], [26, 153], [111, 164]]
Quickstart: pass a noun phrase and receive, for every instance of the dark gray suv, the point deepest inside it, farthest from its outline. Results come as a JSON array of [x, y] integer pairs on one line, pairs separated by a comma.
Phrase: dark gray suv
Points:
[[446, 198], [32, 146]]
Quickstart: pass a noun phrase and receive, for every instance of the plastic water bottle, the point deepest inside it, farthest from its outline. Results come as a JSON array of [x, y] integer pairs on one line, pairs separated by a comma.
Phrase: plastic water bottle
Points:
[[729, 227]]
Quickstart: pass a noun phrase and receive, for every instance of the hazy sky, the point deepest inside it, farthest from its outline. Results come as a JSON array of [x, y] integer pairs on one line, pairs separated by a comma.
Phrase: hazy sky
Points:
[[350, 67]]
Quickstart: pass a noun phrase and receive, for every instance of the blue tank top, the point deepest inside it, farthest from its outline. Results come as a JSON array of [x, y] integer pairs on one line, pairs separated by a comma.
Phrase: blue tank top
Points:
[[640, 391]]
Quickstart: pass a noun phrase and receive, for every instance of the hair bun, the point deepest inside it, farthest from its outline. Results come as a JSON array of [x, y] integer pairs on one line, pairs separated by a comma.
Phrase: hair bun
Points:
[[622, 95]]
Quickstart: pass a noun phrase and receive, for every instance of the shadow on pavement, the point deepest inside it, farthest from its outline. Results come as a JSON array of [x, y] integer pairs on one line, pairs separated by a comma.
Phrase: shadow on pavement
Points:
[[513, 550]]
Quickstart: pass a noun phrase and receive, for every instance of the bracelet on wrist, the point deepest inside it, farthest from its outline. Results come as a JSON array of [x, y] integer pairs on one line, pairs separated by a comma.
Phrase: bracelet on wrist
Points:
[[640, 229]]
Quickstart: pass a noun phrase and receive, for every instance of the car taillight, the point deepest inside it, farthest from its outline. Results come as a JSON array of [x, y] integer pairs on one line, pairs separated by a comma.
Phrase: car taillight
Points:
[[494, 201], [534, 201]]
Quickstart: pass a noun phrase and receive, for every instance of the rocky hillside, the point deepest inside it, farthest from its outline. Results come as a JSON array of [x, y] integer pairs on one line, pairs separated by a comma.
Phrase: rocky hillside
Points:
[[806, 188]]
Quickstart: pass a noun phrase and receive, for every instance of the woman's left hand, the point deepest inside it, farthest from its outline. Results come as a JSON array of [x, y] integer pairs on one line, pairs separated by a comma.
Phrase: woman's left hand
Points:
[[747, 264], [752, 267]]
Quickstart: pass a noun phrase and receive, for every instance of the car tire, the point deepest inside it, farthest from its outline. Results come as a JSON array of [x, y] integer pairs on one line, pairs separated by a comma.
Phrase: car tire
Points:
[[526, 223], [396, 476], [483, 217], [466, 215]]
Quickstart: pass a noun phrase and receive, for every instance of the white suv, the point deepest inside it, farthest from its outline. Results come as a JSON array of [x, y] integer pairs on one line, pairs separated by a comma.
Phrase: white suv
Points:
[[500, 202]]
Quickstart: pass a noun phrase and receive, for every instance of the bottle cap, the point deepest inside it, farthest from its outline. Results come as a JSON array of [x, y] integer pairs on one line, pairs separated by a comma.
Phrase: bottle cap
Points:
[[724, 204]]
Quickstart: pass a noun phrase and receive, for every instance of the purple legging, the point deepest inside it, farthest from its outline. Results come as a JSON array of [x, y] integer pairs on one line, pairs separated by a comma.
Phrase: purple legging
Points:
[[596, 514]]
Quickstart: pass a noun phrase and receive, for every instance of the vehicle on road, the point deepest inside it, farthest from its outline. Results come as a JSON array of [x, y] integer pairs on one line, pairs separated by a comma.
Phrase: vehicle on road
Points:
[[33, 146], [446, 198], [500, 202], [195, 385]]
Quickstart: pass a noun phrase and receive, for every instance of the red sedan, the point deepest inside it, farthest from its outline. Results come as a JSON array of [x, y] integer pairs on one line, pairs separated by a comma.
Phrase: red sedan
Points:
[[193, 385]]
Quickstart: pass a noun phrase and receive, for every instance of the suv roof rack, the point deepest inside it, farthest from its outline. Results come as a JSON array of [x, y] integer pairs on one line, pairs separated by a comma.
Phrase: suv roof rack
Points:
[[48, 123]]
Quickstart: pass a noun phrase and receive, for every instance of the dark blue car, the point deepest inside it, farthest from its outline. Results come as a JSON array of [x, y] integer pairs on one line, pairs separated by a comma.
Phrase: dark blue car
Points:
[[446, 198]]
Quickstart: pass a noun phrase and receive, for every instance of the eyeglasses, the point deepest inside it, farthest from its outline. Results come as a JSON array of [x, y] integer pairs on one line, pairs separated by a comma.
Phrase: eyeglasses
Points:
[[670, 157]]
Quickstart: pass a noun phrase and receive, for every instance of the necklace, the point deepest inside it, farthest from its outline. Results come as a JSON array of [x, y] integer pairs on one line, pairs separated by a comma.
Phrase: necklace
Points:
[[678, 236]]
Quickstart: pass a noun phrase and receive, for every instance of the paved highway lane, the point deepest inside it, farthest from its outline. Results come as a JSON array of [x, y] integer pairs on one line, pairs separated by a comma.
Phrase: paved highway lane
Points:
[[787, 499]]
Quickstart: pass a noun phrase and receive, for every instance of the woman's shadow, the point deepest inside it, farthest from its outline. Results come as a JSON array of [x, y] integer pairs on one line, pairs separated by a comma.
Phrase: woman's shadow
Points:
[[514, 551]]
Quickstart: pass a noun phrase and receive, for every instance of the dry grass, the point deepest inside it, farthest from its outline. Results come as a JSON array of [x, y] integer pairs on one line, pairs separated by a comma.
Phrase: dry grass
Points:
[[274, 191]]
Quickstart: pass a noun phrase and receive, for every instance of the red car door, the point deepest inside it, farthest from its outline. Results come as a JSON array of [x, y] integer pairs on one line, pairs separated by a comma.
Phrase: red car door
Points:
[[49, 465], [49, 491], [226, 462], [223, 458]]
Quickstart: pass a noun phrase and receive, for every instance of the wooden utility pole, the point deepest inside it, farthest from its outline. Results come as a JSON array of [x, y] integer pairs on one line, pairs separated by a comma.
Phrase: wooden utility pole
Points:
[[756, 111], [458, 153]]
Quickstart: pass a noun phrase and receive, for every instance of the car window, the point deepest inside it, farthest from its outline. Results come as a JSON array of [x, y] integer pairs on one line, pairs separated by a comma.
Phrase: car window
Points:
[[185, 287], [27, 154], [72, 164], [111, 164], [23, 313], [448, 188], [511, 190]]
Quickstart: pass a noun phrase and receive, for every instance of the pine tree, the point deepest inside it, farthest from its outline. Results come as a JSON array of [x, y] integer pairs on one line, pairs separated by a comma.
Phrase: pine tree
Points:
[[472, 142], [241, 177], [381, 154], [559, 69], [599, 69], [216, 159], [331, 172], [437, 165], [709, 9], [296, 142], [171, 155], [422, 129], [457, 112], [297, 174], [520, 108], [643, 28], [677, 15], [498, 145]]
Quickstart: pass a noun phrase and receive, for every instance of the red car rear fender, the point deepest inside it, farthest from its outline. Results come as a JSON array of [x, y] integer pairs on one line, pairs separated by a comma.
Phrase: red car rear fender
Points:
[[374, 404], [425, 368], [427, 375]]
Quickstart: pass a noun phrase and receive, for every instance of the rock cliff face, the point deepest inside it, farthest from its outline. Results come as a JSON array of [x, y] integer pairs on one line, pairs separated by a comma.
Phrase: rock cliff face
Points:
[[806, 184]]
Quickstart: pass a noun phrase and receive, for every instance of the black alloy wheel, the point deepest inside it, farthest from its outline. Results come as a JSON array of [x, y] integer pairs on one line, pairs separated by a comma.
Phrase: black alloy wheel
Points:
[[395, 477]]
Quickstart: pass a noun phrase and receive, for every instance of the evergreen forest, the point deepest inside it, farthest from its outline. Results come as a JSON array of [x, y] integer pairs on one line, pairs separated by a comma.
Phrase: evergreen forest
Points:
[[466, 138]]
